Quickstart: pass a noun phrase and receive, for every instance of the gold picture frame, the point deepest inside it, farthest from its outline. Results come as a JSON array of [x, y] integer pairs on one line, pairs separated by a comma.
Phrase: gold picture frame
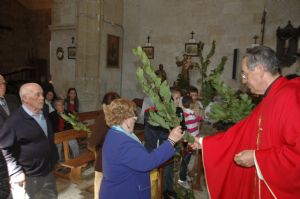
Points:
[[192, 49], [149, 50]]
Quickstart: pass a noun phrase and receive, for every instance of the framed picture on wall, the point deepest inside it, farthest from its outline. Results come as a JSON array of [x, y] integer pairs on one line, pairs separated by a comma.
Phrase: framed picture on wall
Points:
[[191, 49], [149, 50], [113, 46], [71, 52]]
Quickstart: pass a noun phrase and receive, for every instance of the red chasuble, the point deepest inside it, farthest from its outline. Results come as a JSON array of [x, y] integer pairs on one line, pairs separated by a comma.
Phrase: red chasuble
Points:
[[277, 147]]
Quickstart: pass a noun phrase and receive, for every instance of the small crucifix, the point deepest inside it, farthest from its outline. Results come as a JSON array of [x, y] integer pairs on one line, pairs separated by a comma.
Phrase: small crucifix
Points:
[[192, 33], [148, 39], [255, 38]]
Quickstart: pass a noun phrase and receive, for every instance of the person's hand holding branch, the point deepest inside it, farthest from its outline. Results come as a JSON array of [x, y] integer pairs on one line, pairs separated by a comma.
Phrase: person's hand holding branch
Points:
[[175, 135]]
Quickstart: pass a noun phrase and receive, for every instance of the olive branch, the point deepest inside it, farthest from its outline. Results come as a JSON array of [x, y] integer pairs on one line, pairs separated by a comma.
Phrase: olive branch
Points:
[[76, 124], [160, 94]]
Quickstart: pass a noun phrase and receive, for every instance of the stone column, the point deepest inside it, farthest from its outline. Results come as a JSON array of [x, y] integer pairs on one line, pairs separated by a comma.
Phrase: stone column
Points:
[[88, 53]]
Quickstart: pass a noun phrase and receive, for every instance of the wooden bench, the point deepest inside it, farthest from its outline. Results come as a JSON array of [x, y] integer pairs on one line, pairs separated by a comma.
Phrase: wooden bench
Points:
[[90, 115], [77, 163]]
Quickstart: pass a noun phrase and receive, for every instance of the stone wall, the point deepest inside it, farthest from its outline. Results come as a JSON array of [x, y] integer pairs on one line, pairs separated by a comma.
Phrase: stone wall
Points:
[[63, 27], [232, 23], [89, 22], [112, 23]]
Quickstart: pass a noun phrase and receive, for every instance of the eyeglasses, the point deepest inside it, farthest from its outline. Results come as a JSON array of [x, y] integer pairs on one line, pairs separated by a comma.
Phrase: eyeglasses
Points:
[[243, 75], [135, 118]]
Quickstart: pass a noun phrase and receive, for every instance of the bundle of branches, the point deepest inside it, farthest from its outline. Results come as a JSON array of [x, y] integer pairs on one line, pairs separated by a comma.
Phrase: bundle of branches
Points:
[[207, 89], [230, 107], [76, 124], [160, 94], [165, 113]]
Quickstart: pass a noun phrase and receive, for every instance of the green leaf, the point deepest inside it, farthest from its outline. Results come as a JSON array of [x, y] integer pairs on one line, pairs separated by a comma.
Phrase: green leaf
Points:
[[72, 119]]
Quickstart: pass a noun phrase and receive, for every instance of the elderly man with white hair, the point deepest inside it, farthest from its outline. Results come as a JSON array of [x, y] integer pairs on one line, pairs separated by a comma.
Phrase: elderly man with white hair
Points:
[[27, 143]]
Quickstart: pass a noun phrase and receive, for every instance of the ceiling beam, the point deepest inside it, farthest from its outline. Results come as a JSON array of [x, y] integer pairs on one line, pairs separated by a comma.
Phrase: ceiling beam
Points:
[[37, 4]]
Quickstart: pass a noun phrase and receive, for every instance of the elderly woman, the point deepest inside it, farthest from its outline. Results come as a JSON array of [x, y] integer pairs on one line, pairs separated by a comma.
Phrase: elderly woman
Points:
[[126, 163]]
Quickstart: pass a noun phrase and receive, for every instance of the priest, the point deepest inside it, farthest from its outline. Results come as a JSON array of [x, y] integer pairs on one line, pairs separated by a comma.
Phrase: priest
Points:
[[259, 157]]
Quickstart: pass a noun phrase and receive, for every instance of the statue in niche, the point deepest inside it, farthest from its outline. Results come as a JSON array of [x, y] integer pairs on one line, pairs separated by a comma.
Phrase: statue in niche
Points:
[[186, 64], [161, 72], [287, 44]]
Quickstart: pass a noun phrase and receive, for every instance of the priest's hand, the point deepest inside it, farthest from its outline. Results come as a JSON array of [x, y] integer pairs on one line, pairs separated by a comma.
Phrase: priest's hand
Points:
[[245, 158], [196, 145]]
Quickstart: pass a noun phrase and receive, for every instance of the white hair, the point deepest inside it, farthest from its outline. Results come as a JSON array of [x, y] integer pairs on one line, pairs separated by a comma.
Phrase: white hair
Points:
[[26, 89]]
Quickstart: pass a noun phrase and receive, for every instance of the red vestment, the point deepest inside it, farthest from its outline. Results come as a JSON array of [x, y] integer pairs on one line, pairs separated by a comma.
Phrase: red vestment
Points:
[[277, 154]]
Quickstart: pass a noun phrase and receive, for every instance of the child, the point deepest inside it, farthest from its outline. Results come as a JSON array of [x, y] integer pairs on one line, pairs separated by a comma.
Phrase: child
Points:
[[192, 122], [196, 105], [192, 119]]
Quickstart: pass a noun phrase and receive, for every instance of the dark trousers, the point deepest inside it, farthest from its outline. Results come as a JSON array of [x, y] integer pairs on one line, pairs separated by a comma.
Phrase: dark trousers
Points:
[[184, 166], [4, 179], [168, 181], [41, 187]]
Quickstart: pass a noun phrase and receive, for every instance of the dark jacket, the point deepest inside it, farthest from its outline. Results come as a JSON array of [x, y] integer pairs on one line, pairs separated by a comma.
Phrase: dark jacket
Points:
[[54, 119], [4, 180], [96, 140], [12, 103], [26, 147], [155, 135]]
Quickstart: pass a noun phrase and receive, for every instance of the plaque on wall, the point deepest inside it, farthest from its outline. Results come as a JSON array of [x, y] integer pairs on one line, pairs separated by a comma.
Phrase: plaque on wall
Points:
[[287, 44], [60, 53]]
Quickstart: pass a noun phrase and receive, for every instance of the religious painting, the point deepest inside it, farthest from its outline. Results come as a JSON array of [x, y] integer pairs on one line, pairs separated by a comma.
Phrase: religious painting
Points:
[[287, 45], [71, 52], [113, 46], [191, 49], [149, 50]]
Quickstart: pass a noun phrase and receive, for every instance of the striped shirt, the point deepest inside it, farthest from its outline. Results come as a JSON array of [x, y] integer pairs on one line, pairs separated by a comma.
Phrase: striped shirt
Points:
[[192, 121]]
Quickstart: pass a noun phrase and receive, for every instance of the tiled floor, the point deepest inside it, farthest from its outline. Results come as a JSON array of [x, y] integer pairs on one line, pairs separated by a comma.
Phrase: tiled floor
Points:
[[72, 191], [84, 189]]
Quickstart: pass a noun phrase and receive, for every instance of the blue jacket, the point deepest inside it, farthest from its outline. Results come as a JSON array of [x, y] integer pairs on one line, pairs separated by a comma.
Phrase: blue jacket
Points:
[[127, 166]]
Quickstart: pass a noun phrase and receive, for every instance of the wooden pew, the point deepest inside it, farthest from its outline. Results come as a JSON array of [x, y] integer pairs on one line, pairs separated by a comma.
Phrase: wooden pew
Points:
[[91, 115], [88, 118], [77, 163]]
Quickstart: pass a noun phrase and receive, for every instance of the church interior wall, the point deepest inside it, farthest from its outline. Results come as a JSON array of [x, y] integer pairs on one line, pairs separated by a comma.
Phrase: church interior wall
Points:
[[90, 22], [63, 27], [24, 37], [231, 23], [112, 24]]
